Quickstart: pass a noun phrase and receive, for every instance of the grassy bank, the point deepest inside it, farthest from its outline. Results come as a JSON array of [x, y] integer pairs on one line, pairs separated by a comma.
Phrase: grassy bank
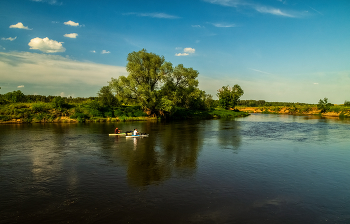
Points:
[[340, 111], [91, 111]]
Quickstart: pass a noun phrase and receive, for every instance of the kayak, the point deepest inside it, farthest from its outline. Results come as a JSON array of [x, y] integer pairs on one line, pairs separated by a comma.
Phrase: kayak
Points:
[[135, 136]]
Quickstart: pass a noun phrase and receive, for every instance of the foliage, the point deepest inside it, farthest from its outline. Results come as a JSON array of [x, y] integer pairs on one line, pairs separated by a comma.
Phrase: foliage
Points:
[[156, 86], [141, 86], [323, 105], [14, 97], [106, 97], [347, 103], [59, 103], [228, 97]]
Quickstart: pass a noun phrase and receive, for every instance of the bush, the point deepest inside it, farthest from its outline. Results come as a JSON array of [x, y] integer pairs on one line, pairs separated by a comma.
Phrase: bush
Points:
[[323, 105], [39, 107], [347, 103]]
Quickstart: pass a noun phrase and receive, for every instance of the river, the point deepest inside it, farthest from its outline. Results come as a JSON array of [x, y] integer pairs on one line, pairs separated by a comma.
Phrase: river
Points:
[[264, 168]]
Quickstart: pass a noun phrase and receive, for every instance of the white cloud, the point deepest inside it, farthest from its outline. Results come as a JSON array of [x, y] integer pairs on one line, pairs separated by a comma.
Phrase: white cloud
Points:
[[224, 25], [181, 54], [257, 7], [273, 11], [105, 52], [71, 35], [93, 51], [71, 23], [51, 2], [197, 26], [46, 45], [20, 26], [189, 50], [153, 15], [9, 38], [260, 71], [230, 3], [22, 86], [178, 48], [54, 70], [315, 83]]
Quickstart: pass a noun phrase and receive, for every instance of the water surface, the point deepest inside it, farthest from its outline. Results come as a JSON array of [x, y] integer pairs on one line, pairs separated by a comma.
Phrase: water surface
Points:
[[258, 169]]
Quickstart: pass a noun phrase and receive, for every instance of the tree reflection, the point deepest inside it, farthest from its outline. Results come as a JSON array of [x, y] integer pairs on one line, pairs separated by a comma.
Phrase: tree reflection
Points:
[[170, 150], [229, 135]]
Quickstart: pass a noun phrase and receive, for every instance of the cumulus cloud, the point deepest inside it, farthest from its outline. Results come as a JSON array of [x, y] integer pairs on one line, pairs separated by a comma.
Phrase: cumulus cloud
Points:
[[93, 51], [105, 52], [22, 86], [71, 23], [189, 50], [71, 35], [9, 38], [20, 26], [181, 54], [46, 45], [153, 15]]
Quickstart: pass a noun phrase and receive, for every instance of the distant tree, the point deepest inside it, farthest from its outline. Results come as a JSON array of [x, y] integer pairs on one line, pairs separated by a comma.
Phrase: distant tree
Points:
[[228, 97], [347, 103], [58, 102], [15, 96], [106, 97], [323, 105]]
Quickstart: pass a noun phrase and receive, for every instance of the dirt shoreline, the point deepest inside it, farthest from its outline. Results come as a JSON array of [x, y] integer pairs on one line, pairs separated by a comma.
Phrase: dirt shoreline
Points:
[[286, 110]]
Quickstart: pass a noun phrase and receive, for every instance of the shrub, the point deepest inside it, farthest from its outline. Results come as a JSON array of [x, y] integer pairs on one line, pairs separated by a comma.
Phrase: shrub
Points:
[[347, 103], [39, 107], [139, 113]]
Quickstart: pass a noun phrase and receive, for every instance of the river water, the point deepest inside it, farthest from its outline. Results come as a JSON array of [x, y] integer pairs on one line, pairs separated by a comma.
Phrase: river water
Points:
[[258, 169]]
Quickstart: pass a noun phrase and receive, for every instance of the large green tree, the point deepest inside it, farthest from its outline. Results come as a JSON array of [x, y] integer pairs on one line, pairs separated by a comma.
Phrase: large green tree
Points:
[[155, 85], [141, 86], [229, 96]]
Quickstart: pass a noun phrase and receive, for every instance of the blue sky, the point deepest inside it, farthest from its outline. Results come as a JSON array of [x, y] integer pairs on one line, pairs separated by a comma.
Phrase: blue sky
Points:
[[276, 50]]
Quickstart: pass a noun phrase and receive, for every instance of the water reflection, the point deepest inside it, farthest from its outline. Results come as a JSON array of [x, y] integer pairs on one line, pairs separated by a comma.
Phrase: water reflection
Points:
[[229, 135], [170, 150]]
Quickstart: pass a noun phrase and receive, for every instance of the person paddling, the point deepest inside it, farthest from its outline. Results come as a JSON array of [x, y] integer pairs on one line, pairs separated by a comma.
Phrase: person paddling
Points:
[[135, 132], [117, 131]]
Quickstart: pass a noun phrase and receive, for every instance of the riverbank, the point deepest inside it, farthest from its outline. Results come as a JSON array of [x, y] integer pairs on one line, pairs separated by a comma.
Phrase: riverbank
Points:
[[334, 111], [74, 113]]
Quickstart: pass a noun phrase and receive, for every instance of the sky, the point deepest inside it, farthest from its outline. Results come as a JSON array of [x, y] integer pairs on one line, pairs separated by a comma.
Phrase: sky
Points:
[[276, 50]]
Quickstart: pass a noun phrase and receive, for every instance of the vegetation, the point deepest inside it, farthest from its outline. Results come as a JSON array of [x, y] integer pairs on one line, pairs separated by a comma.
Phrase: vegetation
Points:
[[158, 87], [153, 89], [229, 97], [323, 105]]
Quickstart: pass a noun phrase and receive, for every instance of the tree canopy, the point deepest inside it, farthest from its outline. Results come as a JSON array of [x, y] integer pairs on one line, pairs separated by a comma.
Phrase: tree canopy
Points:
[[156, 85]]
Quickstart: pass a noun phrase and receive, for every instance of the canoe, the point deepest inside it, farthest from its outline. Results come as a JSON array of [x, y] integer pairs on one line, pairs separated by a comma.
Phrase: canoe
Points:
[[118, 134]]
